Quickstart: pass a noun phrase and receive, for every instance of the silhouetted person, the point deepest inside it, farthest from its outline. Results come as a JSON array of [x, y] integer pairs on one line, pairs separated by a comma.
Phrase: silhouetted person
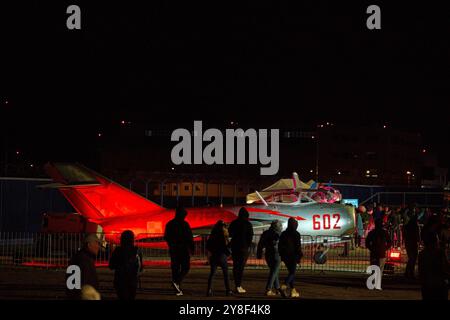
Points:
[[178, 235], [378, 242], [85, 259], [218, 246], [359, 232], [394, 223], [412, 239], [126, 260], [433, 270], [241, 233], [269, 244], [290, 251], [431, 227], [379, 213]]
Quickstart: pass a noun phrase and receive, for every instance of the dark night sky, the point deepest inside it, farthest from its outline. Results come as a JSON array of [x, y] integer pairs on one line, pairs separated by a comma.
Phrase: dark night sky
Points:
[[266, 64]]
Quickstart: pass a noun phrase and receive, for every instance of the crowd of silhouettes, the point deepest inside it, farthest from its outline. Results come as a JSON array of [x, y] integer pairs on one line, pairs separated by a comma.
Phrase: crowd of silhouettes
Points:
[[377, 229]]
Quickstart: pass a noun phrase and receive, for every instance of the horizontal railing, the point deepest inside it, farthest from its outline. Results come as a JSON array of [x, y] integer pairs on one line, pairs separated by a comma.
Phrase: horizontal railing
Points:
[[45, 250]]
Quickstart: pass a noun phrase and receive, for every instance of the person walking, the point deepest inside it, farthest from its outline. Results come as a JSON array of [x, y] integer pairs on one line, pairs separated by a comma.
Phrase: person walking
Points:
[[269, 244], [291, 253], [85, 260], [178, 235], [241, 233], [378, 242], [218, 247], [126, 260]]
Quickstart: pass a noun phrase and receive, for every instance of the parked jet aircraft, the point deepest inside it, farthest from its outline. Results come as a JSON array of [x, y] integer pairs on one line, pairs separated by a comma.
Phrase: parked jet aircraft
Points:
[[115, 209]]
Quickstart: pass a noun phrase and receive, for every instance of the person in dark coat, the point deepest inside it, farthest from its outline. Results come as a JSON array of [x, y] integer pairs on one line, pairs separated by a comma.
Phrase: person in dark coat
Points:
[[269, 244], [378, 242], [241, 233], [290, 251], [178, 235], [431, 227], [126, 260], [379, 213], [412, 239], [218, 247], [434, 272], [85, 260]]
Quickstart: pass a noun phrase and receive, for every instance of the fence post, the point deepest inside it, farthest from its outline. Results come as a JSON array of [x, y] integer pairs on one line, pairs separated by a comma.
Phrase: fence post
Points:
[[193, 195], [162, 193], [49, 248], [27, 207], [221, 194]]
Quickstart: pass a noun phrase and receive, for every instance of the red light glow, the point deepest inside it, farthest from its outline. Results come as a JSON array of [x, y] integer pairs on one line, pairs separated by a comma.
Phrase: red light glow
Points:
[[395, 255]]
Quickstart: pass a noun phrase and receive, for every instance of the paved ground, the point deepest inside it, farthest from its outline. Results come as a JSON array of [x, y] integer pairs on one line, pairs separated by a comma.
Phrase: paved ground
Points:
[[34, 283]]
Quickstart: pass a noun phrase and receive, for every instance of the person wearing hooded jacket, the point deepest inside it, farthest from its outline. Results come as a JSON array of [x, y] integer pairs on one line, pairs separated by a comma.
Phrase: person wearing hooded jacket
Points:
[[126, 260], [178, 235], [290, 251], [217, 245], [241, 233], [269, 244], [378, 242]]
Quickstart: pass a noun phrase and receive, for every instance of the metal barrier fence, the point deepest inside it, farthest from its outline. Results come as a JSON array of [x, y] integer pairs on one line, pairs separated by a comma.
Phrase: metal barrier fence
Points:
[[55, 250]]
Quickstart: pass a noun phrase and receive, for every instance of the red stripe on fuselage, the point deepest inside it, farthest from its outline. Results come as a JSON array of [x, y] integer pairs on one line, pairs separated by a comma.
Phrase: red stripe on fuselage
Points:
[[275, 213]]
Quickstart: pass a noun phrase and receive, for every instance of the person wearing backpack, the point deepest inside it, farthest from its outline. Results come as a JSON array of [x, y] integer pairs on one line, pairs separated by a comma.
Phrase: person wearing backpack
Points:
[[218, 247], [290, 250], [126, 260], [378, 242], [269, 244]]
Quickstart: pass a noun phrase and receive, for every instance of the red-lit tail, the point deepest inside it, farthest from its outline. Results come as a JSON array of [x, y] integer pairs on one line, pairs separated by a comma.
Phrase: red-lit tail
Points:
[[95, 196]]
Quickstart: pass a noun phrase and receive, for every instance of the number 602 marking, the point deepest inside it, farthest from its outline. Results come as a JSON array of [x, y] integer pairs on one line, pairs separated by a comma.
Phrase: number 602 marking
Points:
[[326, 222]]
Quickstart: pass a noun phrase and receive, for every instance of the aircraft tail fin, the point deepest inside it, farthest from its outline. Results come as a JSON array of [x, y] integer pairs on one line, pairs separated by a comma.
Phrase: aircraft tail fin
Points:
[[95, 196], [295, 181]]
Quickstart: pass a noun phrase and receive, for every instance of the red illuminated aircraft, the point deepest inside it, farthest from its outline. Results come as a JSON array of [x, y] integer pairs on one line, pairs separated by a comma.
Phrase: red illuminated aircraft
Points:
[[115, 209]]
